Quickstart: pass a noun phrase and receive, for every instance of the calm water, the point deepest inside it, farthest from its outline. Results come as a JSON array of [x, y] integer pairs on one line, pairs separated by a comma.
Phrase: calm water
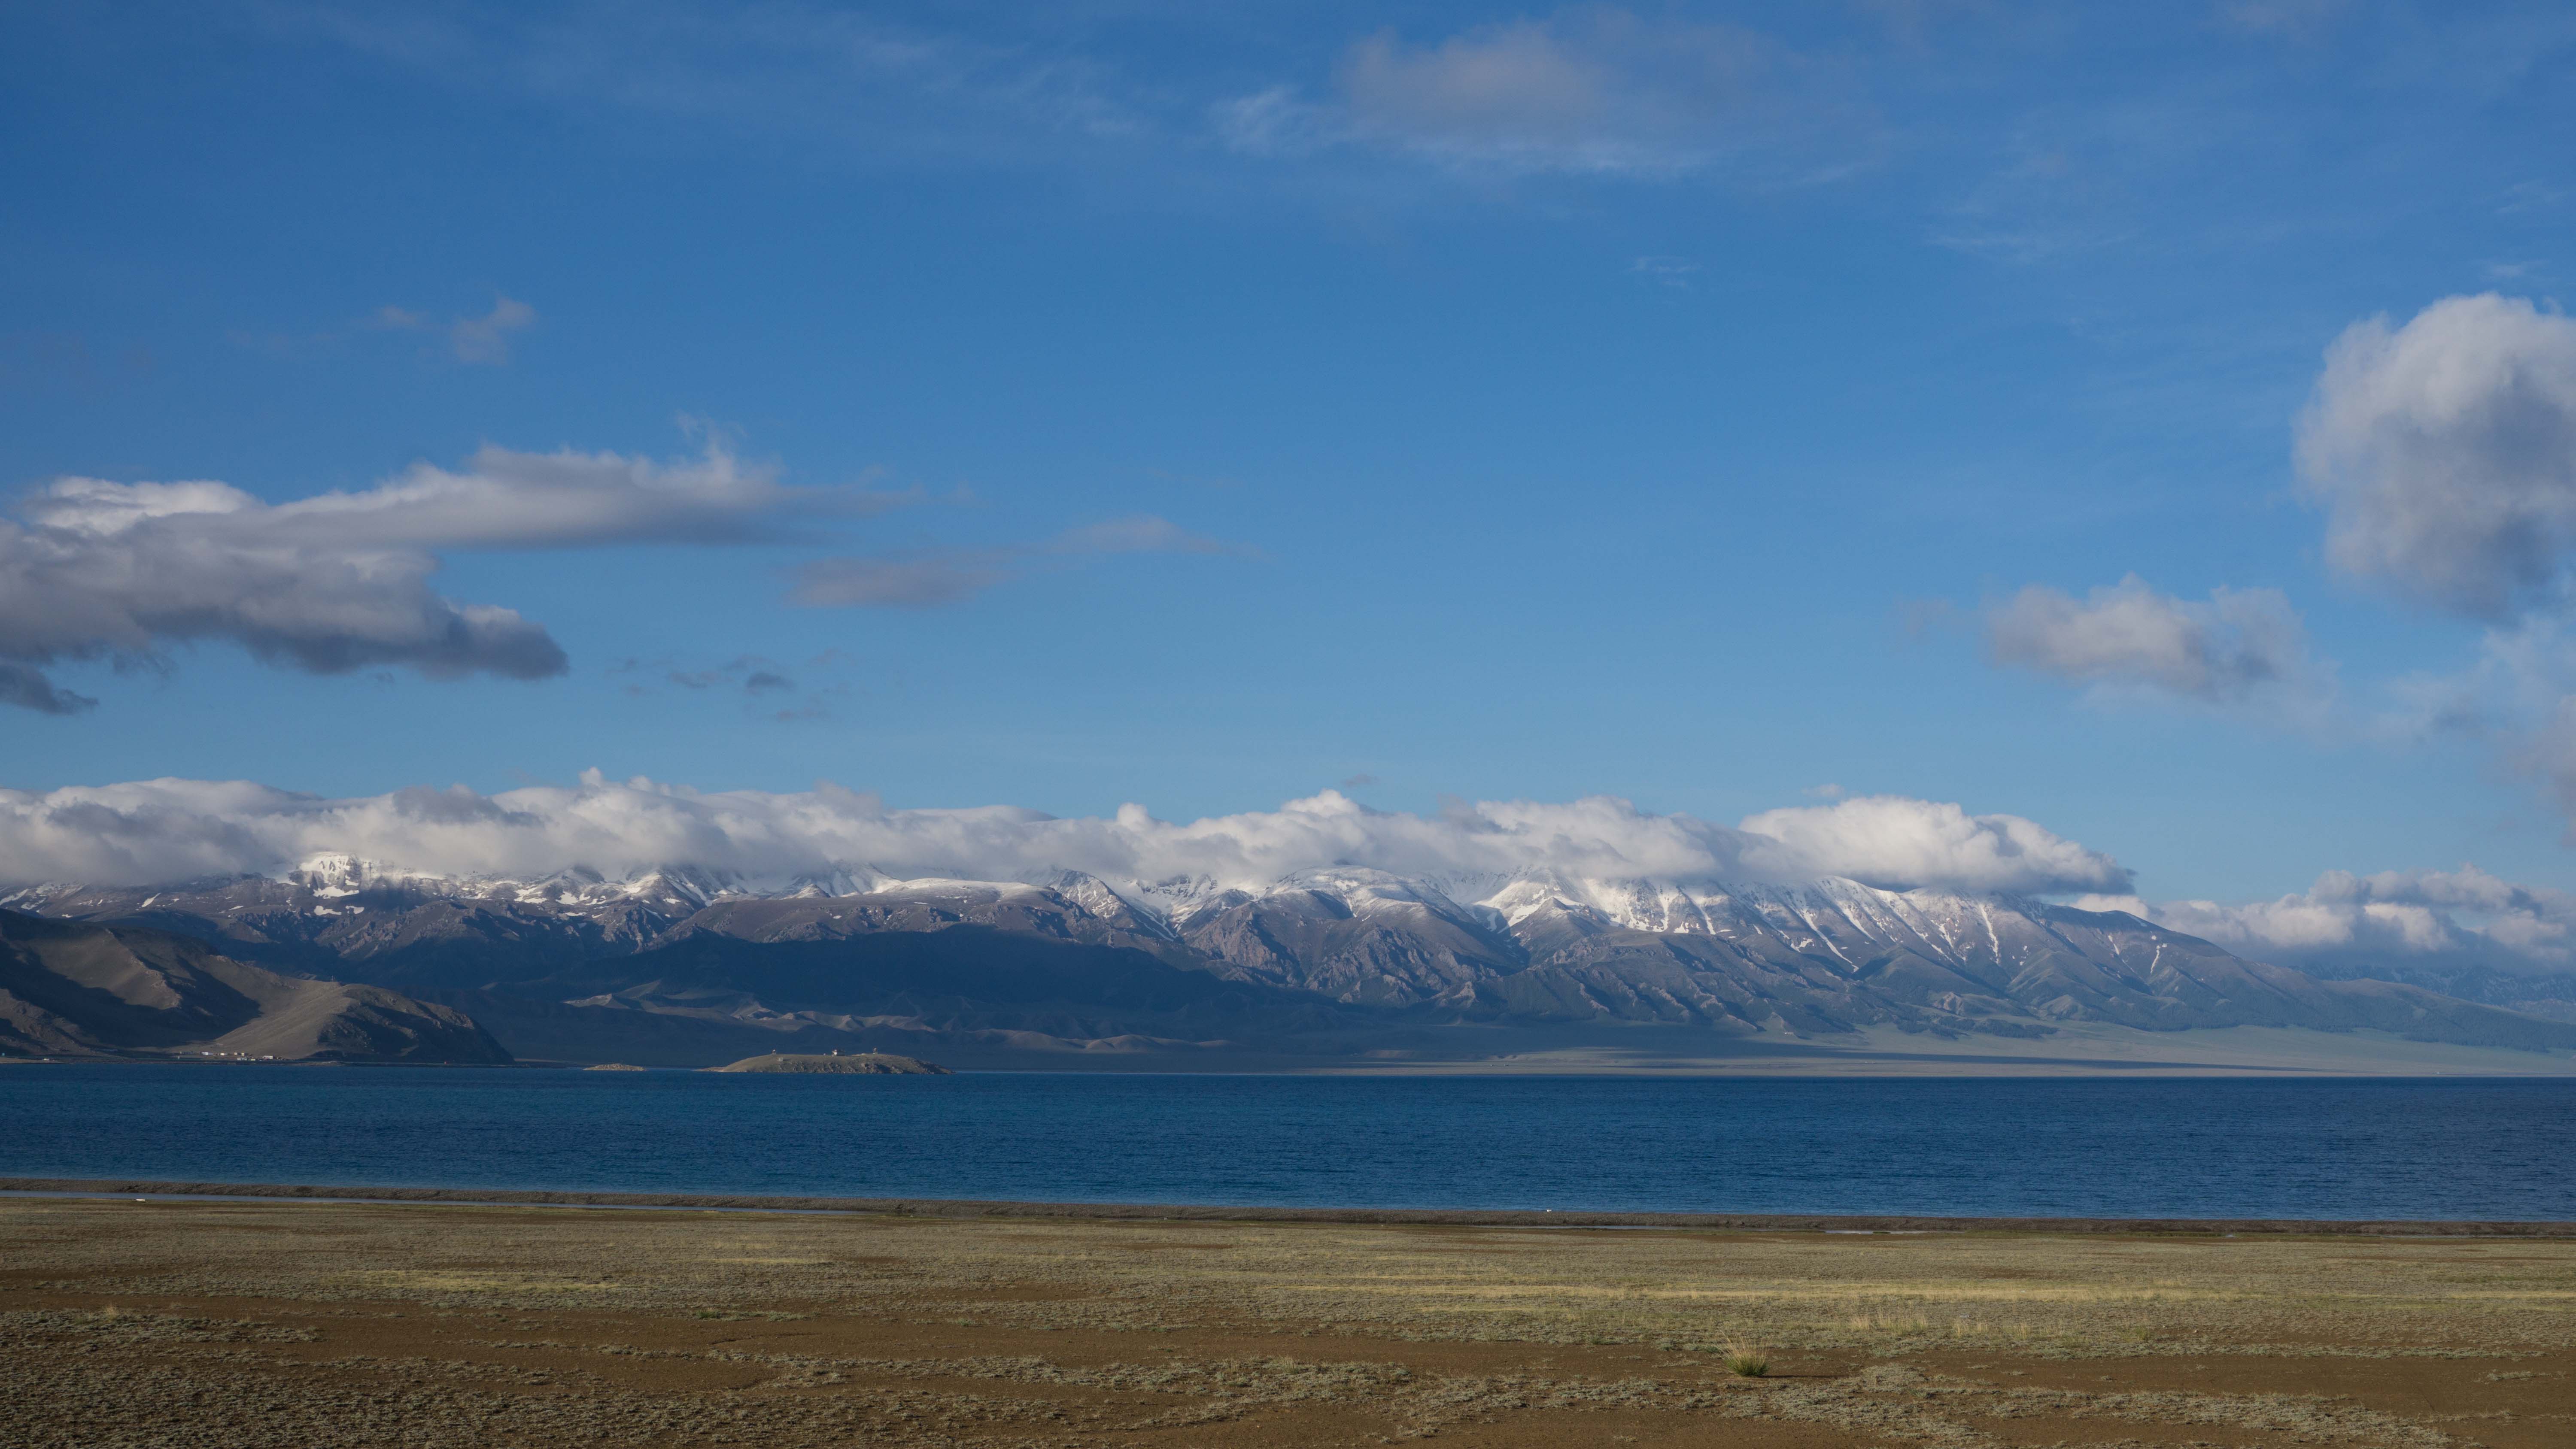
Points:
[[2223, 1148]]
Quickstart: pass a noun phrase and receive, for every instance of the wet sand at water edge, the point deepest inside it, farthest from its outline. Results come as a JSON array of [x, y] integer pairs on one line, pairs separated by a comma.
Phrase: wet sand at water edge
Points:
[[212, 1324]]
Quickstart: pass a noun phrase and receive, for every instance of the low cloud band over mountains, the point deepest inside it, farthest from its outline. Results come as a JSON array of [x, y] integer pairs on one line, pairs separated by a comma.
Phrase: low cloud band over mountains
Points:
[[161, 832]]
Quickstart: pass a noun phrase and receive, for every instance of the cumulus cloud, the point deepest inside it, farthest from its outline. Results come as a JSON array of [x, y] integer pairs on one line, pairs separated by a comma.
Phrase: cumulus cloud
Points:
[[341, 580], [73, 592], [165, 831], [927, 578], [1597, 90], [2394, 918], [2241, 643], [2444, 452], [1895, 842]]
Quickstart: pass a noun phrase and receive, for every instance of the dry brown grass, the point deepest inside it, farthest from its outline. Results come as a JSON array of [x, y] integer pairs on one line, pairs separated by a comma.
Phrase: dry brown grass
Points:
[[251, 1324]]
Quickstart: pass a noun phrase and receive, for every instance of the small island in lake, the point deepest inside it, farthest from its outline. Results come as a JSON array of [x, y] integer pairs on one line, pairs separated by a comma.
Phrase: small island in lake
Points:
[[874, 1064]]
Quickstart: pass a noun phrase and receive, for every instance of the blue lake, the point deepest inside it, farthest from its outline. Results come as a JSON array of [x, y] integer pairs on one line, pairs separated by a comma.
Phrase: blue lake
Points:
[[2095, 1148]]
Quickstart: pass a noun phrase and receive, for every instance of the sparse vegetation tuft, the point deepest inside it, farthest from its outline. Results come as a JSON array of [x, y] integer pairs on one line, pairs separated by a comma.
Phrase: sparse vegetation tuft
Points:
[[1749, 1363]]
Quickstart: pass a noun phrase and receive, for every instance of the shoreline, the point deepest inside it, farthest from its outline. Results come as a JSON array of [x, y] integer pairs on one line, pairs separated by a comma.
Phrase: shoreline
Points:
[[963, 1208]]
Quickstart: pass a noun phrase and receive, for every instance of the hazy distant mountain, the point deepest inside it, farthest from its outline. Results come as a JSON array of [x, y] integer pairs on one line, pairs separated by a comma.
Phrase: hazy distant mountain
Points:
[[75, 990], [2550, 994], [684, 965]]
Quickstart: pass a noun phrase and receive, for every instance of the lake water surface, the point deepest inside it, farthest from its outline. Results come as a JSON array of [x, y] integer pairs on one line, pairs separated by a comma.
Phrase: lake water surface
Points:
[[1961, 1146]]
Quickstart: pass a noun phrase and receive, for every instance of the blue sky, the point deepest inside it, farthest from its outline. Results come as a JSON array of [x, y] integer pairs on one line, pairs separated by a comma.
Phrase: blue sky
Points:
[[1212, 405]]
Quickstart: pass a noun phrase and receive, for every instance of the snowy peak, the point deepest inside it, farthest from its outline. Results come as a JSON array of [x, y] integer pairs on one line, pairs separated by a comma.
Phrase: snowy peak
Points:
[[331, 875]]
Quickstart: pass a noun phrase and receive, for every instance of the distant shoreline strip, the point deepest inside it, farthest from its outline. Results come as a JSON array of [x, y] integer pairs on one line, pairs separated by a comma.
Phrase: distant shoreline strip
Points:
[[1185, 1212]]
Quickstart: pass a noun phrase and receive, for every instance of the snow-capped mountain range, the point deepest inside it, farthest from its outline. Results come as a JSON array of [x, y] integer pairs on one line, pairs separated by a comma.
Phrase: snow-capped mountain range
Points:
[[1318, 949]]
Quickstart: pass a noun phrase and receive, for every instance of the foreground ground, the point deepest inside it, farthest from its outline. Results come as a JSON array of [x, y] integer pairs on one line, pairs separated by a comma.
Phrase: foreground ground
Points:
[[222, 1324]]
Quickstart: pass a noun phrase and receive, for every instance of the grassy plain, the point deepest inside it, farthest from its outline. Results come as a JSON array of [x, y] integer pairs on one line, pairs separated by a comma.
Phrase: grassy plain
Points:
[[218, 1324]]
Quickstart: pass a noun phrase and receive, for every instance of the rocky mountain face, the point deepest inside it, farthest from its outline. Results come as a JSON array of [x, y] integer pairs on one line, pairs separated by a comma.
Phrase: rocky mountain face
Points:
[[74, 990], [1321, 957]]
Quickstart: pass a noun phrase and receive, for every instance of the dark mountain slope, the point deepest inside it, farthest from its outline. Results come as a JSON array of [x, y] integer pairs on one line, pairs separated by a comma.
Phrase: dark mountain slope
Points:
[[68, 989], [966, 977]]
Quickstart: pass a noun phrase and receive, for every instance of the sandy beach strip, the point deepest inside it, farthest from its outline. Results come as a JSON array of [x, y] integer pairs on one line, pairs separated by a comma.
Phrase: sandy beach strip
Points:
[[1197, 1212]]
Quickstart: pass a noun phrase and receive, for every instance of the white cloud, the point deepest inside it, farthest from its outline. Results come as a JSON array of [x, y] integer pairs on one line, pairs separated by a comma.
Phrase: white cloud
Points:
[[2414, 917], [1895, 842], [2241, 644], [928, 578], [898, 580], [1675, 272], [2444, 452], [1520, 92], [501, 498], [340, 581], [70, 592], [1594, 90], [163, 831], [484, 340]]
